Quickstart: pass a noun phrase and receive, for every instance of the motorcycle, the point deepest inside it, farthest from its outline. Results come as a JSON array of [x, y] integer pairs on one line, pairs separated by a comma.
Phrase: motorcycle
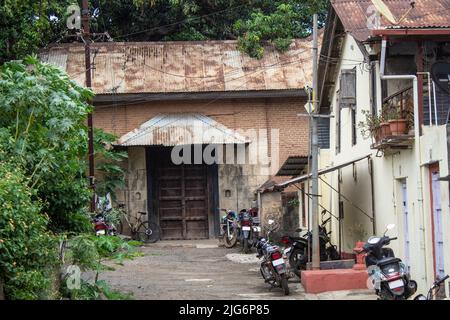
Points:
[[273, 266], [249, 227], [389, 274], [101, 224], [229, 228], [433, 290], [297, 248]]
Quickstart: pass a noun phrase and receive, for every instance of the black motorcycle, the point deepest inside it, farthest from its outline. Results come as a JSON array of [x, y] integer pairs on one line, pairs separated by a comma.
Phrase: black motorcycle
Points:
[[297, 248], [273, 266], [389, 274], [229, 228], [249, 228], [433, 290]]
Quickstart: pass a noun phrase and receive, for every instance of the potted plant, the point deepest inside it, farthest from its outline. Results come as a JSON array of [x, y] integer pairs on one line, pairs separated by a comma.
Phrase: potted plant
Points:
[[384, 124], [397, 123], [370, 126]]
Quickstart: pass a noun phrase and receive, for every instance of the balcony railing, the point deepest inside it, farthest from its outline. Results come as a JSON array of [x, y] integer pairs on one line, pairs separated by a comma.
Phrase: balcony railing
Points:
[[397, 121]]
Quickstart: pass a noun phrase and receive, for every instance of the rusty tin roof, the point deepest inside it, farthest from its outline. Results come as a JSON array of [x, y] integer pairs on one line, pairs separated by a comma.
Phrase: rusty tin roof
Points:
[[167, 67], [181, 129], [355, 15]]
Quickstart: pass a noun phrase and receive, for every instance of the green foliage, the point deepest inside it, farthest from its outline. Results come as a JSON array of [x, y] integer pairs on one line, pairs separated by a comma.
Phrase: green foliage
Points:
[[370, 125], [95, 291], [275, 27], [42, 116], [293, 203], [27, 249], [32, 24], [28, 25], [90, 252], [107, 163]]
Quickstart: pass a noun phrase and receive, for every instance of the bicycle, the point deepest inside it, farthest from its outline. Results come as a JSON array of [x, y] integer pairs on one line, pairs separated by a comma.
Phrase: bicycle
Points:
[[145, 231]]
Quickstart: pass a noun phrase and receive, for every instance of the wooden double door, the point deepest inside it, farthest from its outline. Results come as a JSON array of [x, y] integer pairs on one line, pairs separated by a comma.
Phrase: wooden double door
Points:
[[181, 198]]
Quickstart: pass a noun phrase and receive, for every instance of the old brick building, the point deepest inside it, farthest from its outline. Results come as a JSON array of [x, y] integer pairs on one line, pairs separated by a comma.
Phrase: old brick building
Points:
[[157, 96]]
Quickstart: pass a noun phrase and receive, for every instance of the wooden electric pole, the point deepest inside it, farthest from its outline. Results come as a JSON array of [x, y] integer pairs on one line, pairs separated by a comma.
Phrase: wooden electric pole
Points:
[[85, 18], [315, 155]]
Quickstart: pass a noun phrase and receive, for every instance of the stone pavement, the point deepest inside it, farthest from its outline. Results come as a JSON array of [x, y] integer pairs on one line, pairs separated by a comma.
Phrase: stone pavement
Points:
[[203, 270]]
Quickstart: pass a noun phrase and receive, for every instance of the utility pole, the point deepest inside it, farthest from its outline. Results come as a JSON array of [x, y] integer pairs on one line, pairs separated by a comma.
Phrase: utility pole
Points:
[[85, 18], [314, 155]]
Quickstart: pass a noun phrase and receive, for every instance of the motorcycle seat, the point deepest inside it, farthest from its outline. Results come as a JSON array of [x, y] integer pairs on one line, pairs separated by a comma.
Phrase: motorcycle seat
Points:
[[386, 261]]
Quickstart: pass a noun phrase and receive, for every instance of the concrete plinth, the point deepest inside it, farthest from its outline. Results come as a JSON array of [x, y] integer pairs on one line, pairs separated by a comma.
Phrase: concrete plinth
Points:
[[316, 281], [334, 264]]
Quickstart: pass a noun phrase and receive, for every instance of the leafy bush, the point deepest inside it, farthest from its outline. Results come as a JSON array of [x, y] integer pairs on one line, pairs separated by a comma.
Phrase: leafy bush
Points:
[[42, 116], [43, 183], [107, 163], [275, 27], [89, 252], [27, 250]]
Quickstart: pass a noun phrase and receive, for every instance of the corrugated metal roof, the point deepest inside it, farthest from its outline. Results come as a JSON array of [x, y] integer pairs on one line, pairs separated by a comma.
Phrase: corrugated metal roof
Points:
[[163, 67], [181, 129], [355, 15], [293, 166]]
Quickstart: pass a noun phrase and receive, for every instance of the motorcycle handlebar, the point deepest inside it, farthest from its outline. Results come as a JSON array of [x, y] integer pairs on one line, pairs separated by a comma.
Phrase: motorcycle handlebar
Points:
[[438, 282], [326, 221], [394, 238]]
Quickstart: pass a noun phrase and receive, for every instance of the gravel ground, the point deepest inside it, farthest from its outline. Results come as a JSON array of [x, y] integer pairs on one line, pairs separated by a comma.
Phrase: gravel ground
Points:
[[203, 272]]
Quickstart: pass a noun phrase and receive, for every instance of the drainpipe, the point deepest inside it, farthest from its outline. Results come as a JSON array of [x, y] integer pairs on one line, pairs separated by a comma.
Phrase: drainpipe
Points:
[[416, 139]]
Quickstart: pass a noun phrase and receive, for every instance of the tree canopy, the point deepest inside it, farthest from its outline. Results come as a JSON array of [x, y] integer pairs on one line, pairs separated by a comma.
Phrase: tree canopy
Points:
[[27, 25]]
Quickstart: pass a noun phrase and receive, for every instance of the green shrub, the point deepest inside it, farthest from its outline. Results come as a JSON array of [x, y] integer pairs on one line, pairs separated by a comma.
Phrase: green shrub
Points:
[[28, 252], [89, 253]]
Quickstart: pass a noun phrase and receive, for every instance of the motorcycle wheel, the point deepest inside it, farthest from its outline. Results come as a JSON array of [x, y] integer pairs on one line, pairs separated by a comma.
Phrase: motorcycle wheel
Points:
[[148, 232], [230, 242], [296, 264], [284, 284], [246, 246]]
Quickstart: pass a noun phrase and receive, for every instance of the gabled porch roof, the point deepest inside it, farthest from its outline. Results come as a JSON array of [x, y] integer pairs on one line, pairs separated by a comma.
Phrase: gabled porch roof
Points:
[[181, 129]]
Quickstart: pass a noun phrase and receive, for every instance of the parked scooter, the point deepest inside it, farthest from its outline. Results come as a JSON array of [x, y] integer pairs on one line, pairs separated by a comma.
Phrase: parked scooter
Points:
[[273, 266], [391, 278], [433, 290], [249, 227], [229, 228], [297, 248]]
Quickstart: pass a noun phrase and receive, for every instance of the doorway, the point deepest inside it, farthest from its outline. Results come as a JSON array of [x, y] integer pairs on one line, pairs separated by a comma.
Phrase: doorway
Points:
[[436, 221], [182, 196], [405, 223]]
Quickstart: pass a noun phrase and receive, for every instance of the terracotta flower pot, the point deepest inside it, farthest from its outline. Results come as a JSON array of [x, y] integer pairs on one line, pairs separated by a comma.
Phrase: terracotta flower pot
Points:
[[385, 129], [398, 126]]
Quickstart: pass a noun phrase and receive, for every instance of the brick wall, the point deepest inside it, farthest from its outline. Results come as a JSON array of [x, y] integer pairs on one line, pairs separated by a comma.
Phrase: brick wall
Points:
[[236, 114]]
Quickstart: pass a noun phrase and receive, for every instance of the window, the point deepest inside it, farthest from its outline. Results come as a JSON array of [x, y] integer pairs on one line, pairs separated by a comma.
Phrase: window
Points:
[[347, 88], [353, 126], [323, 132], [347, 98]]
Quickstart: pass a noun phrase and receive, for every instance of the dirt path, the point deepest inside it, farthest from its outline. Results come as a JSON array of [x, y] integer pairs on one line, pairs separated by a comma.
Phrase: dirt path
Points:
[[168, 272]]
